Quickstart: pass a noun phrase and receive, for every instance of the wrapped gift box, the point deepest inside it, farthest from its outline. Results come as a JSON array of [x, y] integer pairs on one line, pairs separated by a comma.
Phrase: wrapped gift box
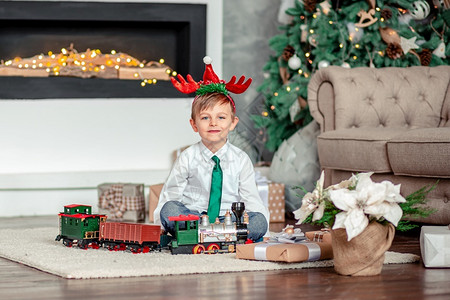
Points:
[[435, 246], [319, 236], [153, 199], [272, 194], [298, 252], [276, 202], [122, 201]]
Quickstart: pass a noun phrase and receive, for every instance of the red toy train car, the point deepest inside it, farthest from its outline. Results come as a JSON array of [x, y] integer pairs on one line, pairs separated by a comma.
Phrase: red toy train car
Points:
[[134, 236]]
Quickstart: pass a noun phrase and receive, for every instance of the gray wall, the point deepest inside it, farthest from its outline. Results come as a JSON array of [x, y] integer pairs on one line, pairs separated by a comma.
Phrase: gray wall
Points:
[[247, 27]]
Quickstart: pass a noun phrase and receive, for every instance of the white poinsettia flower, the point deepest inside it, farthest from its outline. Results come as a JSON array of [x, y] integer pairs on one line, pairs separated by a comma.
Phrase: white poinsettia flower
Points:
[[318, 213], [319, 184], [301, 214], [393, 192], [307, 208], [344, 199], [353, 217], [359, 199], [367, 200], [362, 177], [392, 212], [311, 202], [345, 184]]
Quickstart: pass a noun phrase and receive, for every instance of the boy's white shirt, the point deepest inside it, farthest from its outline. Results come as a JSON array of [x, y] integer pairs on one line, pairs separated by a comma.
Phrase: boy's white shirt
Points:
[[190, 180]]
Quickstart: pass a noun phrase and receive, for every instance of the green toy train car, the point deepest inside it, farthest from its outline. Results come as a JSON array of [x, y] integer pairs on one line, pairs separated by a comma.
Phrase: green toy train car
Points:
[[77, 223]]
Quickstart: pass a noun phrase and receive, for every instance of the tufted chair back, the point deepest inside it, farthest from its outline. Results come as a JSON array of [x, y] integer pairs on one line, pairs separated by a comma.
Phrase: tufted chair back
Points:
[[413, 97]]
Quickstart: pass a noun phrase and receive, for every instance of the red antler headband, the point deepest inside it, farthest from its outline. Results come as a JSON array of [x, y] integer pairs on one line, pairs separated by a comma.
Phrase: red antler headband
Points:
[[211, 83]]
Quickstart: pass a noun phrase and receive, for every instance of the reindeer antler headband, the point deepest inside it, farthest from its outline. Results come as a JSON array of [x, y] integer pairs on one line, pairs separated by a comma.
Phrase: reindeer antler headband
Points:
[[211, 83]]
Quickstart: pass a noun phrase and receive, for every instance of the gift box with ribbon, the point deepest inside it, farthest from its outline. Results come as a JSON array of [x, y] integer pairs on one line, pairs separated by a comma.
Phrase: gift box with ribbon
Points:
[[435, 246], [122, 201], [301, 251], [272, 195]]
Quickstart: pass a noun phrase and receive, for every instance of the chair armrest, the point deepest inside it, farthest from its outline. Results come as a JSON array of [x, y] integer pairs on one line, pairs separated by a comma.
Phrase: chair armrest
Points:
[[321, 101]]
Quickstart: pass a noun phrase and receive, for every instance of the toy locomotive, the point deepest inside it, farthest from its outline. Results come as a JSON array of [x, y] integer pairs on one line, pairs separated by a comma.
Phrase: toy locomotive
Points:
[[78, 226], [192, 237]]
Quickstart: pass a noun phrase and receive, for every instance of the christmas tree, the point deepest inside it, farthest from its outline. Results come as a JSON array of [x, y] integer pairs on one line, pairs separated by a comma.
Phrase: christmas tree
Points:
[[349, 34]]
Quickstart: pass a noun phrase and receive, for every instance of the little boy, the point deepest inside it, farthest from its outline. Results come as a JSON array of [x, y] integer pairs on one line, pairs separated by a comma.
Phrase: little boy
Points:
[[187, 189]]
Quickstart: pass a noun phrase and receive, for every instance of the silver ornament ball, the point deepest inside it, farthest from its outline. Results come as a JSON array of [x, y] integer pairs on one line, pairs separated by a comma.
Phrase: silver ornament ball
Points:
[[323, 64], [294, 62], [420, 10]]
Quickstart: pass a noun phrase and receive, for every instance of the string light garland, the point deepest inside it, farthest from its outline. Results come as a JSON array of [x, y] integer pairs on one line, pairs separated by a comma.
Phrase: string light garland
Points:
[[89, 64]]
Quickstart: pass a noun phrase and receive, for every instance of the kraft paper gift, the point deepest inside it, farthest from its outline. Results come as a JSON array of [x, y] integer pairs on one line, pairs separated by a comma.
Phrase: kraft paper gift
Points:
[[435, 246], [319, 236], [276, 202], [153, 199], [283, 252]]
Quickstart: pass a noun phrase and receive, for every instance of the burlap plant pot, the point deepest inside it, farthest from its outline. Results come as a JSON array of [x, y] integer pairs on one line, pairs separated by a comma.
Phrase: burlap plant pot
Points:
[[364, 254]]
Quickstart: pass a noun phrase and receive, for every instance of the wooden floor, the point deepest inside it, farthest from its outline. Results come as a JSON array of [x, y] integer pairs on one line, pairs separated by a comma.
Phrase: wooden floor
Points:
[[404, 281]]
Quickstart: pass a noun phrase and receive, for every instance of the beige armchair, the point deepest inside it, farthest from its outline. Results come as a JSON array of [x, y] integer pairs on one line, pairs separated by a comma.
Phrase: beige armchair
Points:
[[394, 122]]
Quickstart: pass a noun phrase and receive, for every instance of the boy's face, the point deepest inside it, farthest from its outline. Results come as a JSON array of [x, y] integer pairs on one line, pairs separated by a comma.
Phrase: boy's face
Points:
[[213, 125]]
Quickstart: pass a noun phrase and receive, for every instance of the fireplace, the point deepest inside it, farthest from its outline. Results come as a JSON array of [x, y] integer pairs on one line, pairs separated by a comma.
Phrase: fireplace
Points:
[[146, 31]]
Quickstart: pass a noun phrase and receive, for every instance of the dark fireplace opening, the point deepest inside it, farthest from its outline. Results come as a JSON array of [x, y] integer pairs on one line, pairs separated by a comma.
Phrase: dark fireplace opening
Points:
[[146, 31]]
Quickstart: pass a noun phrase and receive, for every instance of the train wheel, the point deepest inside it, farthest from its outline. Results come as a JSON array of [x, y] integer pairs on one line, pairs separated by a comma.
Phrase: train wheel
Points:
[[82, 245], [146, 249], [136, 249], [67, 242], [120, 247], [94, 245], [198, 249], [213, 248]]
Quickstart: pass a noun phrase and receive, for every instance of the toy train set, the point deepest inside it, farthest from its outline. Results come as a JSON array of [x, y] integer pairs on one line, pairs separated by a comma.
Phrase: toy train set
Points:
[[78, 226]]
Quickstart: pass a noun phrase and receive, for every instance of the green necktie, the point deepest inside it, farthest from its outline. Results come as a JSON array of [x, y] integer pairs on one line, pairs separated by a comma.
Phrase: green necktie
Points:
[[215, 195]]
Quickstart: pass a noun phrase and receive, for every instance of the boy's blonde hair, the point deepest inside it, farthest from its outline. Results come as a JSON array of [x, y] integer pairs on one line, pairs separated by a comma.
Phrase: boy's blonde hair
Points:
[[210, 100]]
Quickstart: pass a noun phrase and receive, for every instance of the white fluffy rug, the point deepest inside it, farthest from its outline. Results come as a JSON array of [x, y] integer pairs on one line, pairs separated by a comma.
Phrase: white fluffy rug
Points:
[[37, 248]]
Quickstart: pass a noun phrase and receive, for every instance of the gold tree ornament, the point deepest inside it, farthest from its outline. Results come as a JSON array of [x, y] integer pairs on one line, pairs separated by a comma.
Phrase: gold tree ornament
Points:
[[367, 17], [389, 35], [325, 6], [304, 35], [312, 40]]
